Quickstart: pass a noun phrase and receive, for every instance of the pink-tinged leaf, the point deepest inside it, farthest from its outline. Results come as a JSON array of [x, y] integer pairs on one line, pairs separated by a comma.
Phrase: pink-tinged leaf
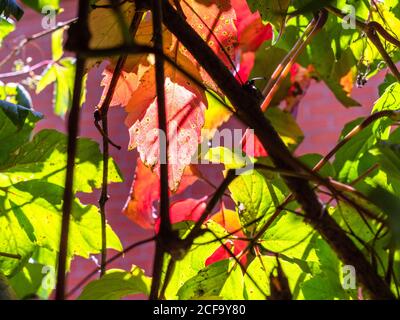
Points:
[[252, 33], [231, 222], [256, 150], [146, 190], [185, 118]]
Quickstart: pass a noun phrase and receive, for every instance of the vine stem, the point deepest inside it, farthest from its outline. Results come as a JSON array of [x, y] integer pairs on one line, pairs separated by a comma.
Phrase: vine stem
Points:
[[81, 31], [165, 223], [247, 108], [10, 255], [285, 66], [137, 18]]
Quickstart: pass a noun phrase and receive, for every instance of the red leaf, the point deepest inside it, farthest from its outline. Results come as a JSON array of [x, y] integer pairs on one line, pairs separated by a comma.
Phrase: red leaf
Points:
[[146, 190], [220, 254], [185, 210], [230, 221], [246, 65], [251, 31], [252, 146]]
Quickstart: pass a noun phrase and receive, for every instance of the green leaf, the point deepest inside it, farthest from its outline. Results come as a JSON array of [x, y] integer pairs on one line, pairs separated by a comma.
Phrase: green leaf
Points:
[[13, 135], [32, 175], [30, 216], [45, 158], [353, 222], [215, 115], [23, 97], [354, 157], [57, 38], [39, 5], [229, 158], [325, 282], [389, 158], [28, 282], [259, 272], [116, 284], [388, 81], [62, 74], [6, 27], [256, 197], [11, 8], [330, 70], [311, 161], [47, 77], [274, 56], [223, 279], [390, 205], [289, 235], [286, 126]]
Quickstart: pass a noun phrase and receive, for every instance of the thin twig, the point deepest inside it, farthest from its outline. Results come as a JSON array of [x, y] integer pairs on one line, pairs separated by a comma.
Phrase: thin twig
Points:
[[73, 130], [165, 222], [278, 77], [106, 140], [10, 255]]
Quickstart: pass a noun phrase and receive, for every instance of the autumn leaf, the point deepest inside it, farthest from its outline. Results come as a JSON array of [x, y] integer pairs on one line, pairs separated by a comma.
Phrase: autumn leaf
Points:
[[146, 190], [185, 210], [230, 221], [257, 149], [186, 103], [252, 33]]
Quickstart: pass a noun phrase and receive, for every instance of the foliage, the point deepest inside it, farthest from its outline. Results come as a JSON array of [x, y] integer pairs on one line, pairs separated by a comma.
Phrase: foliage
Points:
[[257, 239]]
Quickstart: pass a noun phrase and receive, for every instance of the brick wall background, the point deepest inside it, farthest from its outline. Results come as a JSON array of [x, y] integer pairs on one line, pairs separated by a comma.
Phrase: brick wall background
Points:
[[320, 116]]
